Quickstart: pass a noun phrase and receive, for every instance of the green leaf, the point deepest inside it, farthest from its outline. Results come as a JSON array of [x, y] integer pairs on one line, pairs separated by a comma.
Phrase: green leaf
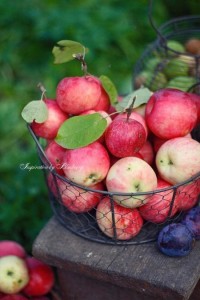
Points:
[[142, 96], [66, 49], [110, 88], [80, 131], [35, 110]]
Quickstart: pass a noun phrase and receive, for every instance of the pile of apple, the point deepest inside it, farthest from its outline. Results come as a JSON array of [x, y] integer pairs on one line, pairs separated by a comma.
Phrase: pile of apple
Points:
[[120, 156], [22, 276], [147, 149]]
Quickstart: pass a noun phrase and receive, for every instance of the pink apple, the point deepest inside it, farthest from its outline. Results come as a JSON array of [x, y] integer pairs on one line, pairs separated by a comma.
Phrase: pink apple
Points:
[[124, 138], [55, 153], [187, 195], [178, 159], [74, 198], [78, 94], [147, 152], [49, 128], [128, 222], [104, 101], [160, 205], [170, 113], [131, 175], [157, 142], [14, 274], [135, 116], [9, 247], [87, 165]]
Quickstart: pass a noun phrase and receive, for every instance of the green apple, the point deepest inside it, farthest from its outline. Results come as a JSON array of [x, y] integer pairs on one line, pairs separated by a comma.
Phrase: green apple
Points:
[[13, 274]]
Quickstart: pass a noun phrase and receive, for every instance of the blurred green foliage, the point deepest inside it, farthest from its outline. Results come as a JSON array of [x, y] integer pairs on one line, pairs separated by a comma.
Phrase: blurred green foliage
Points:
[[116, 32]]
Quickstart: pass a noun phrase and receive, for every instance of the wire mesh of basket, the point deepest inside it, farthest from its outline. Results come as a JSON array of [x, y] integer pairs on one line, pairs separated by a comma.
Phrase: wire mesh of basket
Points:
[[93, 213], [173, 59]]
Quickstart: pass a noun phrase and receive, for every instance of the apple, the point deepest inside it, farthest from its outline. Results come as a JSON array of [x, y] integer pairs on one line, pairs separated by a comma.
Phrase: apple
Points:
[[124, 137], [131, 175], [9, 247], [157, 142], [14, 297], [140, 110], [128, 222], [55, 153], [160, 206], [135, 116], [112, 112], [77, 94], [187, 195], [170, 113], [49, 128], [14, 274], [147, 152], [74, 198], [178, 159], [196, 99], [104, 101], [86, 165], [41, 279], [103, 113]]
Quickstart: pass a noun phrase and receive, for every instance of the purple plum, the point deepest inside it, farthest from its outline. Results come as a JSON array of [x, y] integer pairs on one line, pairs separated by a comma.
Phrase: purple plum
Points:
[[192, 221], [176, 240]]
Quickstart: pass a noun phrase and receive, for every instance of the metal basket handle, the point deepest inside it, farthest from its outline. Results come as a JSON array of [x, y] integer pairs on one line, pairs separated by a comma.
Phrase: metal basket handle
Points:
[[161, 37]]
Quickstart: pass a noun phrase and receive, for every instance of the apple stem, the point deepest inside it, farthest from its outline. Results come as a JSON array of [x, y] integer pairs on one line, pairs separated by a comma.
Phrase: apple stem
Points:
[[43, 90], [81, 57], [130, 109]]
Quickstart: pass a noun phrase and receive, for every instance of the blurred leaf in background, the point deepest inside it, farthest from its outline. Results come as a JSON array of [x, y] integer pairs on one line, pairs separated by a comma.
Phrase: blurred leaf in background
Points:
[[116, 33]]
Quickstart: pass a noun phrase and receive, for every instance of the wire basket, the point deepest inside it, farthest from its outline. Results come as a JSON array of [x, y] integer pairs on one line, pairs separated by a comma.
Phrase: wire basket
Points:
[[173, 59], [122, 227]]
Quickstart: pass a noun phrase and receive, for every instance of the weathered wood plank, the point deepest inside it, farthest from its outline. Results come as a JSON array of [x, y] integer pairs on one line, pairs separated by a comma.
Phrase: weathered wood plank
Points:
[[141, 268]]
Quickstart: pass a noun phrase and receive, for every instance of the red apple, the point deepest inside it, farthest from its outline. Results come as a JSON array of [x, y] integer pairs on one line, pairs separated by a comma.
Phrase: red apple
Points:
[[49, 128], [131, 175], [74, 198], [160, 206], [178, 159], [14, 297], [13, 274], [170, 113], [9, 247], [124, 137], [78, 94], [135, 116], [87, 165], [128, 222], [41, 278], [147, 152], [55, 153], [104, 101], [187, 195], [196, 99]]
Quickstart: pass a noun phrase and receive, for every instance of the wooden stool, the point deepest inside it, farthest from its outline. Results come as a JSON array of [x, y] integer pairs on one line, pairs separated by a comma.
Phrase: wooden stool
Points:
[[93, 271]]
